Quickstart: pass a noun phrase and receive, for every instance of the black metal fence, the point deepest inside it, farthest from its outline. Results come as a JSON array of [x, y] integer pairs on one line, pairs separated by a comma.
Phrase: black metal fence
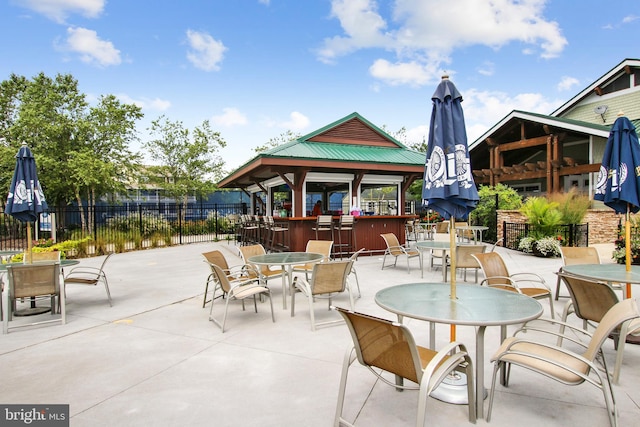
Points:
[[572, 234], [138, 225]]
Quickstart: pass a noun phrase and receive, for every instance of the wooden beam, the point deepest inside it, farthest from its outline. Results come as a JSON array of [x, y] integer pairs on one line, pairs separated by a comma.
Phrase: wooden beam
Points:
[[598, 91], [491, 142], [579, 169], [523, 143], [523, 134]]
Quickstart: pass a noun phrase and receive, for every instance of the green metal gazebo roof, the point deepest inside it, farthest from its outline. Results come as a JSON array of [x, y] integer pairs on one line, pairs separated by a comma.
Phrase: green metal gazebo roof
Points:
[[349, 144]]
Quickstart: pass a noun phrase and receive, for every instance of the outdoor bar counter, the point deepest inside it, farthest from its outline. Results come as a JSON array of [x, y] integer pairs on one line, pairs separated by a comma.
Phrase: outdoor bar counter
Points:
[[368, 229]]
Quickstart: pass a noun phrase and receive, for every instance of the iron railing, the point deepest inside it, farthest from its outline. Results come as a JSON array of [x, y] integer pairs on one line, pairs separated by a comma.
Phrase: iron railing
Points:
[[143, 225], [571, 234]]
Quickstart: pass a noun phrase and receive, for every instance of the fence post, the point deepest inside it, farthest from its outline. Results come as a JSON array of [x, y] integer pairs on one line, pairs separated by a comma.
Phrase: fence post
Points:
[[179, 206], [504, 233], [215, 217]]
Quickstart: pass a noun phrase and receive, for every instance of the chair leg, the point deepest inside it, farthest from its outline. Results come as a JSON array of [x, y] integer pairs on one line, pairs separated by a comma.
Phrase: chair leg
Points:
[[348, 359], [493, 389], [106, 287], [565, 313]]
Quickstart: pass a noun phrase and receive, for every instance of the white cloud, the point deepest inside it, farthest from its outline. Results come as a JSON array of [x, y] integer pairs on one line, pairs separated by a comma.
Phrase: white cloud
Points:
[[426, 32], [265, 2], [409, 73], [91, 48], [230, 117], [630, 18], [206, 53], [483, 109], [297, 121], [567, 83], [487, 69], [155, 104], [58, 10]]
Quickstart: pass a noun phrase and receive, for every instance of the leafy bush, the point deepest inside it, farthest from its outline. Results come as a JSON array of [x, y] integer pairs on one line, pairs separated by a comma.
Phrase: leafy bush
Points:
[[543, 215], [485, 213]]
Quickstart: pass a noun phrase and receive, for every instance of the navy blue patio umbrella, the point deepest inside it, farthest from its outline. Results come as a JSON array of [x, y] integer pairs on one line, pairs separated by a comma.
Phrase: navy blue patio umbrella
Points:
[[448, 186], [26, 200], [618, 184]]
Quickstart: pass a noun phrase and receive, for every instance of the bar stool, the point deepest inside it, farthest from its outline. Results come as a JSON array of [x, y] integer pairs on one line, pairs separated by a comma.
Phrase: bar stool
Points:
[[346, 224], [278, 235], [324, 223]]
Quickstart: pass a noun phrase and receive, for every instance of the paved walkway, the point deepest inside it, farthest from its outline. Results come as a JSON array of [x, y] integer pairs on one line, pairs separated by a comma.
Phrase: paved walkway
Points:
[[155, 359]]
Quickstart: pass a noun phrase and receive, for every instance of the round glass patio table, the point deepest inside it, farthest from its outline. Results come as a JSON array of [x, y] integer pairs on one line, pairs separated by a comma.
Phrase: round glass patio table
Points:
[[478, 306], [286, 261], [33, 310]]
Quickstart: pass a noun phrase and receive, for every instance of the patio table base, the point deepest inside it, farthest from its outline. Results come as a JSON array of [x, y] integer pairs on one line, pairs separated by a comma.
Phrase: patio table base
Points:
[[453, 389]]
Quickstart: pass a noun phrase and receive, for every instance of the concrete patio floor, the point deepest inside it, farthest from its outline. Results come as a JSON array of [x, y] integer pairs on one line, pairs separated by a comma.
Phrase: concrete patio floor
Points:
[[154, 358]]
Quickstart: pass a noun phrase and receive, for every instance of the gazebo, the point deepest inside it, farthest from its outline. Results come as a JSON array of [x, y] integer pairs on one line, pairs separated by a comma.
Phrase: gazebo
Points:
[[337, 164]]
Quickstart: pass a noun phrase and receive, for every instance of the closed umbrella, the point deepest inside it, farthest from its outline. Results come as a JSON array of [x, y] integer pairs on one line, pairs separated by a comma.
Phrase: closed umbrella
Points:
[[26, 200], [449, 189], [618, 184], [448, 185]]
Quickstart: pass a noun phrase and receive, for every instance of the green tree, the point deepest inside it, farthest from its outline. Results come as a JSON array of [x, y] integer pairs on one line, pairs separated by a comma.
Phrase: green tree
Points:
[[188, 161], [283, 138], [485, 212], [81, 152]]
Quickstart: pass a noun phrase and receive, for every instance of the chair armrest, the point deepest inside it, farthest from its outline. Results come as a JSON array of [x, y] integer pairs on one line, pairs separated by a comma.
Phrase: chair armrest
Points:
[[508, 281], [534, 326], [538, 278]]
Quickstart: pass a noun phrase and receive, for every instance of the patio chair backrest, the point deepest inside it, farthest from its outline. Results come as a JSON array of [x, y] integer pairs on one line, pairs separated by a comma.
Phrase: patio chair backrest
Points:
[[392, 243], [41, 256], [32, 280], [621, 312], [442, 227], [324, 221], [591, 299], [221, 277], [492, 265], [464, 258], [330, 277], [383, 344], [216, 257], [253, 250], [579, 255]]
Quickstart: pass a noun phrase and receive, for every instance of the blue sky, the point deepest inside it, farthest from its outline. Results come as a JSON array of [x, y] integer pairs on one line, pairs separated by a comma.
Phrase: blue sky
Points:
[[257, 68]]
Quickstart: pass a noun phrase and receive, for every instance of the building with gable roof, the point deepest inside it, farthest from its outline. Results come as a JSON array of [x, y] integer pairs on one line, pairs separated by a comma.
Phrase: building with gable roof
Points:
[[345, 157], [537, 153]]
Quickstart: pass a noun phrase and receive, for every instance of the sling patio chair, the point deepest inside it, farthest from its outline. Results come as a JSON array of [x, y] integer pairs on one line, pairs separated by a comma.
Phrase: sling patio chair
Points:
[[32, 280], [396, 250], [90, 276], [239, 289], [561, 363], [327, 280], [497, 275], [216, 257], [590, 301], [386, 347]]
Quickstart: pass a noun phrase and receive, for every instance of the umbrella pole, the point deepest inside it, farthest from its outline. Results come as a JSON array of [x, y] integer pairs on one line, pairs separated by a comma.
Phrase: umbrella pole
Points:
[[452, 262], [627, 240], [29, 253]]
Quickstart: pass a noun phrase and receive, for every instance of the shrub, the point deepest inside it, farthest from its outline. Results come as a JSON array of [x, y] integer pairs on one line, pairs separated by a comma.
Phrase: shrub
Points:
[[485, 213], [543, 215]]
